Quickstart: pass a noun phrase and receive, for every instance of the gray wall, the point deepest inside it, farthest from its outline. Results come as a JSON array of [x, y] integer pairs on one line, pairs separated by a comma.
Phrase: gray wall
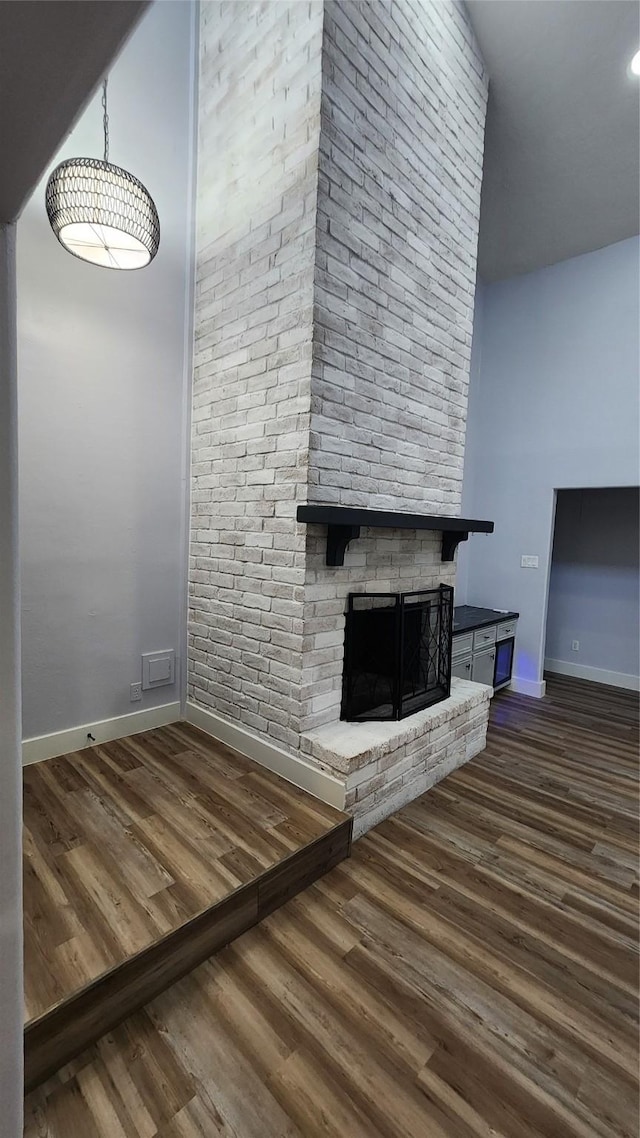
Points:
[[11, 1003], [554, 404], [102, 410], [593, 590]]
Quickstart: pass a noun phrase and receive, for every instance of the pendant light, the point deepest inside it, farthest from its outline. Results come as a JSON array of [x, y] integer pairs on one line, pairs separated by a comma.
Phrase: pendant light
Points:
[[100, 212]]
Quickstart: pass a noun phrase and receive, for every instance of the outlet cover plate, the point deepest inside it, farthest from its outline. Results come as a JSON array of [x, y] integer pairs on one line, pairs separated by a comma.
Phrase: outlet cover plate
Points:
[[158, 669]]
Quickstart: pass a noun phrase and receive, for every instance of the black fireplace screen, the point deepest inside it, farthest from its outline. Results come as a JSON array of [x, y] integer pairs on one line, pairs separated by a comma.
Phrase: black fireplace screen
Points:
[[397, 653]]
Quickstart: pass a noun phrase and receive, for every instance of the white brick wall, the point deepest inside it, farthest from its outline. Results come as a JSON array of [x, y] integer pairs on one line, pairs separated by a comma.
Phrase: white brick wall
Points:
[[338, 198], [386, 765], [403, 108], [257, 188]]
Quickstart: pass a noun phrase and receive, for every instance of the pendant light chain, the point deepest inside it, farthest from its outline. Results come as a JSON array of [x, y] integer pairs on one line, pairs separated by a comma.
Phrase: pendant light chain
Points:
[[105, 120]]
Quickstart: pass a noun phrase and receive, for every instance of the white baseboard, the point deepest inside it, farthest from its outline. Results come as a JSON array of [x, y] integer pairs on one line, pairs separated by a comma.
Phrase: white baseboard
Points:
[[597, 675], [75, 738], [290, 767], [535, 688]]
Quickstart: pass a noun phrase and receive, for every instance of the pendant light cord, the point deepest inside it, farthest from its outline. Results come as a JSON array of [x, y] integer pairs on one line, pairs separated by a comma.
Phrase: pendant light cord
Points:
[[105, 120]]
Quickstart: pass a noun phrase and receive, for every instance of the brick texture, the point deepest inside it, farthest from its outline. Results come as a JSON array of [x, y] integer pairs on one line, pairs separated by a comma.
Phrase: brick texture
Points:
[[339, 172], [391, 561], [403, 108], [256, 220], [386, 765]]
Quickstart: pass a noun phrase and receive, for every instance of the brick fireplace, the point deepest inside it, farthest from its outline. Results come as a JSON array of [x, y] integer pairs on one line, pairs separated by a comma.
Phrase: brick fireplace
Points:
[[340, 160]]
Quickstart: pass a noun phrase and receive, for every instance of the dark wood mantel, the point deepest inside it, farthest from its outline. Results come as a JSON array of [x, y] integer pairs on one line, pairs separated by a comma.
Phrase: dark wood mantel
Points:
[[344, 522]]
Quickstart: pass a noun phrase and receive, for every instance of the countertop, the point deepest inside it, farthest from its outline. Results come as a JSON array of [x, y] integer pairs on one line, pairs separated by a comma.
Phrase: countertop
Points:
[[466, 618]]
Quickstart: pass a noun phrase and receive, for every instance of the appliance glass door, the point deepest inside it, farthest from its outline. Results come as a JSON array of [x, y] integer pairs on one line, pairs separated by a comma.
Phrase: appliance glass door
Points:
[[504, 662]]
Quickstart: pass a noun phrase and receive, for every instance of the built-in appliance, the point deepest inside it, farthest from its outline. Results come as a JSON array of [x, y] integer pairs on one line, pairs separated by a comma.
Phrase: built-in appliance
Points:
[[503, 666], [483, 645], [397, 654]]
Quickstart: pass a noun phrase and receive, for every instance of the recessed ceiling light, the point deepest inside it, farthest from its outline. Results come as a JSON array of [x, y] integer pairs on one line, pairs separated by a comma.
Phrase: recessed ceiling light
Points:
[[634, 66]]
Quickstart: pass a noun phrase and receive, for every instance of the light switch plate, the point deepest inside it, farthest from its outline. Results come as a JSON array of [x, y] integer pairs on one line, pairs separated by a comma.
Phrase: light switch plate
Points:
[[158, 669], [529, 561]]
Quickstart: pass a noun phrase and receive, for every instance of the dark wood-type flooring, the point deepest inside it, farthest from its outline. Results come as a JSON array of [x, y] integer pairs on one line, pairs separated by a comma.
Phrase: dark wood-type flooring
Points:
[[470, 972], [142, 857]]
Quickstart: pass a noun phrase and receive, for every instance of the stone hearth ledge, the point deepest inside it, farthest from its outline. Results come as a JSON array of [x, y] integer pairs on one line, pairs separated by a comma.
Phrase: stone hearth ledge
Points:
[[345, 747], [384, 765]]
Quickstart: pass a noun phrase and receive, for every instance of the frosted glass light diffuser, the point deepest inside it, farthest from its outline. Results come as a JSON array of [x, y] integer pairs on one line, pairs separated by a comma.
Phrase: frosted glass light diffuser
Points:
[[102, 214]]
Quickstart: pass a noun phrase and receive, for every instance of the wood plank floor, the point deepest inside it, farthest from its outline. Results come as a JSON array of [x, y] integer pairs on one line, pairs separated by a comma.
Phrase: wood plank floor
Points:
[[471, 971], [126, 842]]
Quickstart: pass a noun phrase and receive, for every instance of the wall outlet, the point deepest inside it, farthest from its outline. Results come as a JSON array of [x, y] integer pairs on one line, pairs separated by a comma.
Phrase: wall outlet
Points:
[[575, 645], [135, 692], [529, 561]]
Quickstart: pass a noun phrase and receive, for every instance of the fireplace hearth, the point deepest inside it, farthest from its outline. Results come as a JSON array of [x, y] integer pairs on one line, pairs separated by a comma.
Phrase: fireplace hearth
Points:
[[397, 653]]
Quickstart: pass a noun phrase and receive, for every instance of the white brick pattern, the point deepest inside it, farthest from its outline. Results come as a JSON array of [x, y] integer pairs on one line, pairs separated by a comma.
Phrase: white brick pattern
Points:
[[385, 765], [338, 197], [257, 189], [403, 108]]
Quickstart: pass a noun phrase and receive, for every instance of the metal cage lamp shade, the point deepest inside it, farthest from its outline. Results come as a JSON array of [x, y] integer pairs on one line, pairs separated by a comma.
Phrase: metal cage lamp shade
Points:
[[100, 212]]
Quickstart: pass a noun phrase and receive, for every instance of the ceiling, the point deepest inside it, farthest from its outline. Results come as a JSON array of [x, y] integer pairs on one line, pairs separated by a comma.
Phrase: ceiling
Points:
[[562, 139], [53, 53]]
